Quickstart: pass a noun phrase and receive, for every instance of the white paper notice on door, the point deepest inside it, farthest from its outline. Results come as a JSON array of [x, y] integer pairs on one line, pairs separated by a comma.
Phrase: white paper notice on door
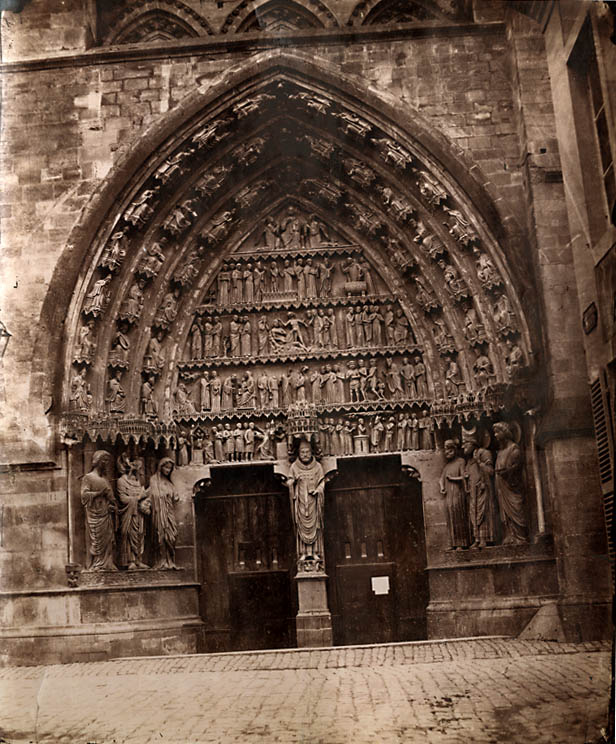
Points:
[[380, 584]]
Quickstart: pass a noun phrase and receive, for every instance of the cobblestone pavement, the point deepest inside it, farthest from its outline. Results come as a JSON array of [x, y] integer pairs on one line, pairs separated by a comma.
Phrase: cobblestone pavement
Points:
[[484, 690]]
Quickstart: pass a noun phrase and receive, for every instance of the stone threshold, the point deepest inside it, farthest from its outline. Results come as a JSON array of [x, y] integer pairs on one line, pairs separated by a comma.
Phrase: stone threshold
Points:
[[321, 649], [364, 655]]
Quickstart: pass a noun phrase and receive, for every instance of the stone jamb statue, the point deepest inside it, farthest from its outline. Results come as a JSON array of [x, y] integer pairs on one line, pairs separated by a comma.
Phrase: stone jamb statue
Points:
[[509, 486], [452, 486], [101, 514], [479, 474], [164, 497], [306, 483], [135, 504]]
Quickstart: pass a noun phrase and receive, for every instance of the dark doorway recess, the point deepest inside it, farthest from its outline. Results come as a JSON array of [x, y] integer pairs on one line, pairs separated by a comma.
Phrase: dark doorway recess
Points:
[[375, 543], [246, 560]]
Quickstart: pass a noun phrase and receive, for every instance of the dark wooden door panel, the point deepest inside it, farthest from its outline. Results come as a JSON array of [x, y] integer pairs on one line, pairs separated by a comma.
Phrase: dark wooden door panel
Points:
[[375, 528], [260, 608], [366, 617], [246, 560]]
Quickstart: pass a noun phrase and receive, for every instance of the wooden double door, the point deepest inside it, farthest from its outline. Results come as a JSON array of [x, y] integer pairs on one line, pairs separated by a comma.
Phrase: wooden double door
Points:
[[374, 552]]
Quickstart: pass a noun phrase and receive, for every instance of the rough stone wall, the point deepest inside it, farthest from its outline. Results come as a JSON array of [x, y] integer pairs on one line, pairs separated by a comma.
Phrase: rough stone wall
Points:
[[33, 518]]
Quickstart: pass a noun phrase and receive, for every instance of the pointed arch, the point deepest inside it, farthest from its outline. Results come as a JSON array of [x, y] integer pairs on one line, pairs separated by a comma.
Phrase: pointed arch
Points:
[[154, 20], [398, 191], [278, 15], [368, 12]]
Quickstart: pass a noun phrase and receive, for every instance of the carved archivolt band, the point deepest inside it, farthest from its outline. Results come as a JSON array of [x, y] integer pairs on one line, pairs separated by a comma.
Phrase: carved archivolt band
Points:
[[289, 175]]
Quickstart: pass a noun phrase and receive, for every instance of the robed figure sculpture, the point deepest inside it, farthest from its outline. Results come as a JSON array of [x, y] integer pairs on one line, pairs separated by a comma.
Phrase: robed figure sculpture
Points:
[[101, 514], [453, 490], [134, 505], [306, 483], [163, 498], [509, 484], [479, 474]]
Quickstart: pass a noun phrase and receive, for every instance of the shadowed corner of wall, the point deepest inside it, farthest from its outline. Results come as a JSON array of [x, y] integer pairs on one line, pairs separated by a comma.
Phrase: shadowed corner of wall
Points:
[[545, 625]]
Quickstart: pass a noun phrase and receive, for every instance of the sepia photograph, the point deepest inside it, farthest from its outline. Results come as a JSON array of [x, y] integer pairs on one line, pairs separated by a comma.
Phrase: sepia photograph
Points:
[[307, 371]]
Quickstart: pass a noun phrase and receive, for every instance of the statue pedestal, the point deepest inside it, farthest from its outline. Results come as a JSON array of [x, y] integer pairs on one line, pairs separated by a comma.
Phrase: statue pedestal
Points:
[[314, 621]]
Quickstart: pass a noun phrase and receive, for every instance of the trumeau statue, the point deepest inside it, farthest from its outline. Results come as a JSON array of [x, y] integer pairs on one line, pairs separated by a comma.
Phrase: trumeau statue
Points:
[[101, 514], [134, 505], [306, 483], [163, 498]]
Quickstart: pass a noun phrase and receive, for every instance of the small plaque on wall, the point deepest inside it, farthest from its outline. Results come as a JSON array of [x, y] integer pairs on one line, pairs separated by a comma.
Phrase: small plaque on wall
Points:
[[380, 584], [589, 318]]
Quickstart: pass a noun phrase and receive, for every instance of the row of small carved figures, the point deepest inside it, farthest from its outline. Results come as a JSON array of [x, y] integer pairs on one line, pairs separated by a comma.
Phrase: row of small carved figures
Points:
[[341, 437], [246, 284], [331, 384], [243, 291], [318, 331]]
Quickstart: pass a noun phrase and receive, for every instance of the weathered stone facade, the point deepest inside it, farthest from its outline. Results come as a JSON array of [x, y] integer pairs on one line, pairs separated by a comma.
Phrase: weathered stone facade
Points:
[[417, 150]]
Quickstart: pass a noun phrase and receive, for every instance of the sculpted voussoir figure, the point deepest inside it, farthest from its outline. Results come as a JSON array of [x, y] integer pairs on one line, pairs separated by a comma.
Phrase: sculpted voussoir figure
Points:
[[163, 498], [306, 482], [101, 513]]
